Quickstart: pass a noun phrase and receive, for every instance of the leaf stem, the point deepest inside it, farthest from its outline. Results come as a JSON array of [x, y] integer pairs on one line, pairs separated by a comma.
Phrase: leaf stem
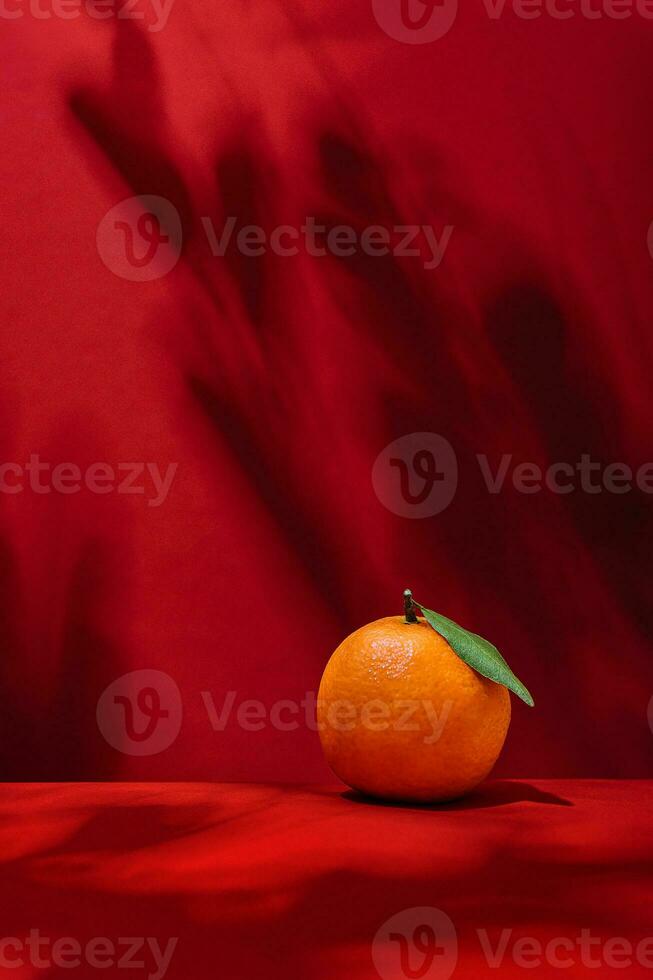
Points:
[[409, 607]]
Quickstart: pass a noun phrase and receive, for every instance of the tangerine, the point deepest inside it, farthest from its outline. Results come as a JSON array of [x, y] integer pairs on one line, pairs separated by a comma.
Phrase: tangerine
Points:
[[402, 717]]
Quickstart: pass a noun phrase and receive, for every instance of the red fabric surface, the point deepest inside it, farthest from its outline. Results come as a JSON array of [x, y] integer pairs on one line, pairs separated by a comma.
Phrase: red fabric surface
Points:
[[297, 882], [274, 383]]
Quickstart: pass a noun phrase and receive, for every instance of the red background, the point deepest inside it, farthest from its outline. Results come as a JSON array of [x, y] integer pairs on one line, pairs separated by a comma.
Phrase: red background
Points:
[[286, 882], [274, 383]]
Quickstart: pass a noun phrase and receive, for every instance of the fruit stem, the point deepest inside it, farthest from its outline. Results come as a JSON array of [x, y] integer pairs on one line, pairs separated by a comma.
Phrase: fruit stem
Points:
[[409, 607]]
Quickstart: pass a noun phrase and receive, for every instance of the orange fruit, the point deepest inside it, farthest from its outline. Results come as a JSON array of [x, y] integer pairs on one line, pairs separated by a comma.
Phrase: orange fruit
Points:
[[402, 717]]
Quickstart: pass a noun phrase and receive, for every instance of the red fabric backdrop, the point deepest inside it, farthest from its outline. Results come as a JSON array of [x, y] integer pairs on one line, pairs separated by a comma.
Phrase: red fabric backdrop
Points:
[[285, 882], [275, 382]]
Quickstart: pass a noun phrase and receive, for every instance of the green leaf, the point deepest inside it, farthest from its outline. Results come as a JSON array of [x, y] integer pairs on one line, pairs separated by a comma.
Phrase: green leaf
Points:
[[477, 652]]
